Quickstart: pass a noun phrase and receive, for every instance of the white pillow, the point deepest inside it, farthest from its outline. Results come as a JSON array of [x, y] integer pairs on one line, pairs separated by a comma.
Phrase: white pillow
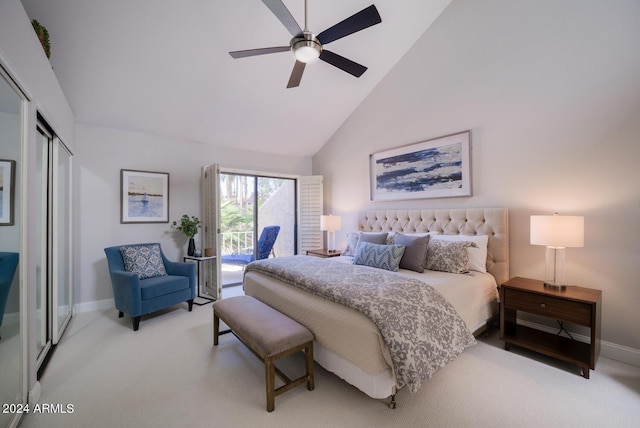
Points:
[[477, 255]]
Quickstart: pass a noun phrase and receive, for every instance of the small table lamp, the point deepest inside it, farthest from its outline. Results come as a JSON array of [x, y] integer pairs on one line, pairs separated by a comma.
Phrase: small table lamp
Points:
[[556, 232], [331, 223]]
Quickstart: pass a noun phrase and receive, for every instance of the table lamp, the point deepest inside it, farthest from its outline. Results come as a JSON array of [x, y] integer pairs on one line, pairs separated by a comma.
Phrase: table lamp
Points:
[[331, 223], [556, 232]]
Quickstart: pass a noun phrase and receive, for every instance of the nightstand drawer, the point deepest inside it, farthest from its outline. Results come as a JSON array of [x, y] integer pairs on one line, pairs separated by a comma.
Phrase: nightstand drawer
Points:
[[553, 307]]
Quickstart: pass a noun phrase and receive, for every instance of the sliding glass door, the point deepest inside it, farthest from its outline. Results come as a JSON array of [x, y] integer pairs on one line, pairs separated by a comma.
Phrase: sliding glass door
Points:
[[248, 204]]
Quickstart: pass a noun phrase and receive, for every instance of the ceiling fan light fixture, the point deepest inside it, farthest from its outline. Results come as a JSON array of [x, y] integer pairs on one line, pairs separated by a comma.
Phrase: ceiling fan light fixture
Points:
[[306, 48]]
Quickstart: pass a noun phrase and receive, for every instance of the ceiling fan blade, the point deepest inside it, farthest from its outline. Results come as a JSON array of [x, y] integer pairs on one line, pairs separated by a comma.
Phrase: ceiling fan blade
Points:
[[364, 19], [262, 51], [342, 63], [296, 75], [282, 13]]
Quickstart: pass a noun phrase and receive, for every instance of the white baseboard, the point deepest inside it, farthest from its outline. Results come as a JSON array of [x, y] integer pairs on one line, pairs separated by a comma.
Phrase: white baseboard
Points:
[[34, 394], [96, 305], [624, 354]]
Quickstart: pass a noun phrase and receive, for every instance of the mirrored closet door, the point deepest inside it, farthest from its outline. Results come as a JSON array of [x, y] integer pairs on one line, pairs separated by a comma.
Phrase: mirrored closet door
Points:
[[53, 246], [12, 104]]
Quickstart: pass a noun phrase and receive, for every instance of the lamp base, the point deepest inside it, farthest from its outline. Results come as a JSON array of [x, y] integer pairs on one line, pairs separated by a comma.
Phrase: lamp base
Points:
[[555, 286]]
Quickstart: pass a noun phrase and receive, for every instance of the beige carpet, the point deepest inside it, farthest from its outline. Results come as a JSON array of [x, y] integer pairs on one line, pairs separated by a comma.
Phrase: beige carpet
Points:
[[168, 375]]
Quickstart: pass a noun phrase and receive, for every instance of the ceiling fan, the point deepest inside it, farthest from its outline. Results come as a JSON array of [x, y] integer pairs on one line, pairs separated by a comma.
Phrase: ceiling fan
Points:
[[307, 47]]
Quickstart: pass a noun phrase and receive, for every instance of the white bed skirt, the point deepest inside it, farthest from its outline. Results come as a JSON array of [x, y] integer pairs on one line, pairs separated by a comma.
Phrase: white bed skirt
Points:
[[381, 385]]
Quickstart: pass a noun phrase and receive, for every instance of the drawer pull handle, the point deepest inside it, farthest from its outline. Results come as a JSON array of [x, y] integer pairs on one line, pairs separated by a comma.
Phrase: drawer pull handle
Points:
[[542, 305]]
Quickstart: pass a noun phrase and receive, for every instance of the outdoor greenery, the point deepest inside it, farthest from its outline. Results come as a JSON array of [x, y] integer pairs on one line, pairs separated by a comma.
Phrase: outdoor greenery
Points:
[[233, 218]]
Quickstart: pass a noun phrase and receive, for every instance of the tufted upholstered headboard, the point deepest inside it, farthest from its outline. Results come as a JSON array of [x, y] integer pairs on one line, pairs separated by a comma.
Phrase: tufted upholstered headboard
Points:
[[493, 222]]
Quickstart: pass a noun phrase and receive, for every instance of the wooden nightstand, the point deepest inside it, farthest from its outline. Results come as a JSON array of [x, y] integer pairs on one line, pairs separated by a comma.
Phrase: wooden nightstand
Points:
[[578, 305], [323, 253]]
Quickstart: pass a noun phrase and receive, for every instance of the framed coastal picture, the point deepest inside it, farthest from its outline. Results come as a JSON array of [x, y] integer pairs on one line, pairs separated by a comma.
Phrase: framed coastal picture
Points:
[[144, 196], [437, 168], [7, 186]]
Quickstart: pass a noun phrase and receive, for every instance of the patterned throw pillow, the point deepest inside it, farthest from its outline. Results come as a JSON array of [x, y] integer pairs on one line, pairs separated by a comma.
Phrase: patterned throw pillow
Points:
[[379, 255], [353, 238], [477, 253], [352, 242], [145, 260], [448, 256]]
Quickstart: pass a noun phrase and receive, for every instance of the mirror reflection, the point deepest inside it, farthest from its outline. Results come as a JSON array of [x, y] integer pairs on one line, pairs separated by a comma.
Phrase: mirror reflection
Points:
[[10, 165]]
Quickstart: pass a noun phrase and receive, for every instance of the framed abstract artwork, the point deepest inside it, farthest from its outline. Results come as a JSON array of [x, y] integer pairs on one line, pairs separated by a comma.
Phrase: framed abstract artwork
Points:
[[437, 168], [7, 187], [144, 196]]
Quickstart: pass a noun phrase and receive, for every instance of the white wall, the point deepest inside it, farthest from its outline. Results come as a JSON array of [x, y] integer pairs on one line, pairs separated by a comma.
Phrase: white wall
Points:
[[551, 93], [103, 152]]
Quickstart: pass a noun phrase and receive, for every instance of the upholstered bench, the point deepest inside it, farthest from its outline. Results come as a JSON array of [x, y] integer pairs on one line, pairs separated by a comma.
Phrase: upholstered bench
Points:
[[270, 335]]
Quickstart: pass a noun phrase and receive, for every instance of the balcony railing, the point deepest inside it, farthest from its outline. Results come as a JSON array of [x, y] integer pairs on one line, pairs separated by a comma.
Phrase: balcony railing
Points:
[[236, 242]]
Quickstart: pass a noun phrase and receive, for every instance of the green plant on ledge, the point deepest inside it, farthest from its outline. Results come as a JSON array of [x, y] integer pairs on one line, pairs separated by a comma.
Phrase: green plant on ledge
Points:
[[188, 226], [43, 36]]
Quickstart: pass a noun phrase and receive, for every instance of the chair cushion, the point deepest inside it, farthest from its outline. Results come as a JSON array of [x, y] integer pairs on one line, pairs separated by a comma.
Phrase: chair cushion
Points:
[[145, 260], [151, 288], [237, 259]]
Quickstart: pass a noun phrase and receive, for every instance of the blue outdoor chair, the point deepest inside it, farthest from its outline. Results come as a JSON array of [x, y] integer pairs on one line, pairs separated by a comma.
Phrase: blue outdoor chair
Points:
[[155, 283], [8, 264], [265, 246]]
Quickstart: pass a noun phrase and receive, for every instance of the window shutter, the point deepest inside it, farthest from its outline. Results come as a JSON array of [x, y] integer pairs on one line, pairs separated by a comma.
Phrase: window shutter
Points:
[[310, 210], [210, 229]]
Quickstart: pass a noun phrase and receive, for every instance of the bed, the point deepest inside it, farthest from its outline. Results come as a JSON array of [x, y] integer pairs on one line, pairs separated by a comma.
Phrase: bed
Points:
[[347, 342]]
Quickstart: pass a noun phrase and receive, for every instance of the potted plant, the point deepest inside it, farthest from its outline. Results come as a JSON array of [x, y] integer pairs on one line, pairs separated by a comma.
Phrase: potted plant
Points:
[[189, 226], [43, 36]]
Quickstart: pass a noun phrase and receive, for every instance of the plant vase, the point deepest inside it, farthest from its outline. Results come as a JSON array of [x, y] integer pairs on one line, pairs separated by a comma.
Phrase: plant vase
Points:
[[191, 250]]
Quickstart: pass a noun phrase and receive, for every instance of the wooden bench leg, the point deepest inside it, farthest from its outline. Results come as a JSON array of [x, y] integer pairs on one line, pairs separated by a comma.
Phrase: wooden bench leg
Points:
[[270, 374], [308, 357], [216, 329]]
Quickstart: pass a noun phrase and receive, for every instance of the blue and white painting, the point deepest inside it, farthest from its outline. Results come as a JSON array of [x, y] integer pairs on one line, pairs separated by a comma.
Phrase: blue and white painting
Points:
[[6, 177], [431, 169], [145, 196]]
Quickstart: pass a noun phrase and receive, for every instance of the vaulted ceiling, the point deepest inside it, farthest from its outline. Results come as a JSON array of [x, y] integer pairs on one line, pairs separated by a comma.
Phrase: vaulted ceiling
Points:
[[162, 66]]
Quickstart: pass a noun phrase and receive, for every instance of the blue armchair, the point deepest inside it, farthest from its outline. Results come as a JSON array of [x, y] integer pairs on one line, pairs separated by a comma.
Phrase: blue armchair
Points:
[[8, 265], [265, 246], [136, 297]]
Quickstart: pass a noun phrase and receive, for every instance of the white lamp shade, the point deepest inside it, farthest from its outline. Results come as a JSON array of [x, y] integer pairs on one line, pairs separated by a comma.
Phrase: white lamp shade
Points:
[[557, 230], [330, 223]]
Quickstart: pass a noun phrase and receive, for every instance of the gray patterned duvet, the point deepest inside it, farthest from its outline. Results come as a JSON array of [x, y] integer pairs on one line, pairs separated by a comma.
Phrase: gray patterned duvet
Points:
[[421, 329]]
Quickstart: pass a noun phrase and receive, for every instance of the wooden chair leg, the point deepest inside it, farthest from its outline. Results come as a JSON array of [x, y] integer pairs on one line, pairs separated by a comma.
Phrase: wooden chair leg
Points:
[[120, 314], [190, 302]]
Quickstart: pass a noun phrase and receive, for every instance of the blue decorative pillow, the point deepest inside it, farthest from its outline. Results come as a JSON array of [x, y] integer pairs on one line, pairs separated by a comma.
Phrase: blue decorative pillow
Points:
[[379, 256], [145, 260]]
